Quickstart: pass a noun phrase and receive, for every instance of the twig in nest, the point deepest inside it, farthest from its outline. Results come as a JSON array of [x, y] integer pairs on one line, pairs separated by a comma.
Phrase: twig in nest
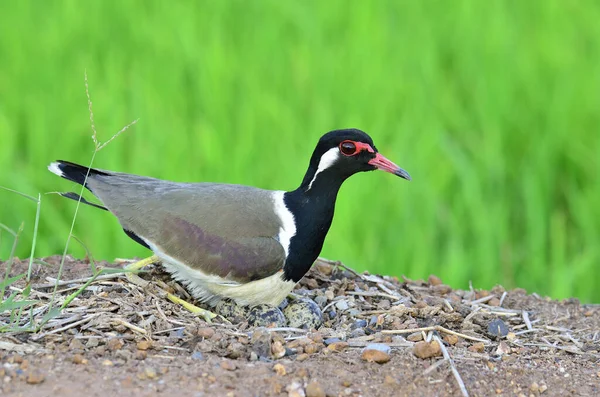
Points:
[[504, 294], [85, 320], [438, 328], [434, 366], [459, 380], [526, 320], [131, 326]]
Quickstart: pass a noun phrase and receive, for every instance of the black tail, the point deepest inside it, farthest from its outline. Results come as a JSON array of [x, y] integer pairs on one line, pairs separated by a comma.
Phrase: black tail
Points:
[[75, 173]]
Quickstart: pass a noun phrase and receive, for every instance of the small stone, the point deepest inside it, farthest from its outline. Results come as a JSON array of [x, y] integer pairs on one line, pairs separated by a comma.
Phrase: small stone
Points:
[[384, 304], [140, 355], [107, 363], [314, 389], [150, 373], [76, 344], [346, 382], [312, 348], [205, 332], [197, 356], [329, 294], [279, 369], [79, 359], [329, 341], [494, 302], [534, 387], [426, 350], [35, 377], [320, 300], [144, 345], [228, 365], [511, 336], [261, 342], [295, 389], [92, 342], [543, 388], [434, 280], [477, 347], [301, 357], [503, 348], [382, 347], [324, 268], [277, 349], [18, 359], [114, 344], [389, 381], [415, 337], [358, 324], [341, 305], [375, 356], [442, 289], [451, 339], [338, 346], [497, 328]]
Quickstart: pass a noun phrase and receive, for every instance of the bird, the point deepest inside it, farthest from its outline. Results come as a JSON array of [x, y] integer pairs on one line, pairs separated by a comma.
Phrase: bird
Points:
[[220, 240]]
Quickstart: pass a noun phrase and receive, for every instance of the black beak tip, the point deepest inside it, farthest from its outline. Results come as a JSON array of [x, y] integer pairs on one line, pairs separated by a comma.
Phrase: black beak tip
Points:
[[403, 174]]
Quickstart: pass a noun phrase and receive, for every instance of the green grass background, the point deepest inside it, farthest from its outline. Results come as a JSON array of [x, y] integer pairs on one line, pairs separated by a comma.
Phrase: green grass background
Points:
[[493, 107]]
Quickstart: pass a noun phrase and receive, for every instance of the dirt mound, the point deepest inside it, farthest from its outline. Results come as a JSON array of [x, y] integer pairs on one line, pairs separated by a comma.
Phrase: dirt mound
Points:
[[380, 337]]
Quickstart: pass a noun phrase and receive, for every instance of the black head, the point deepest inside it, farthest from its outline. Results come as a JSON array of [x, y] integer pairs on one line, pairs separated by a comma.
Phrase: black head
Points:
[[342, 153]]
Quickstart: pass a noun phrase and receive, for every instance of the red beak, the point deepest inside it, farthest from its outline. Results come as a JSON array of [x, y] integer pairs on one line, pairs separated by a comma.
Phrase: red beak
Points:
[[386, 165]]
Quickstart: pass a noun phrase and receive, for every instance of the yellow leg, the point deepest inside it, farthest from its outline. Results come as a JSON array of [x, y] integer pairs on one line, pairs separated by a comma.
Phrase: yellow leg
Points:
[[206, 314], [137, 280]]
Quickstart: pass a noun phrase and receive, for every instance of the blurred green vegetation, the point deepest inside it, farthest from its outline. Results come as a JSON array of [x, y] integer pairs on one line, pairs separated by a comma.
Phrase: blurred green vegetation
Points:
[[493, 107]]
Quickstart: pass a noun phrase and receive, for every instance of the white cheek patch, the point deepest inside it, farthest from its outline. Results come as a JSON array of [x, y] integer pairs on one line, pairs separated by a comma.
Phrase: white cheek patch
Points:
[[327, 160]]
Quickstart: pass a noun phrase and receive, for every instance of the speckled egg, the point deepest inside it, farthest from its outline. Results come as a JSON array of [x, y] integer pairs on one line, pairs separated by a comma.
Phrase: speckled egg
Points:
[[265, 315], [303, 313], [231, 311]]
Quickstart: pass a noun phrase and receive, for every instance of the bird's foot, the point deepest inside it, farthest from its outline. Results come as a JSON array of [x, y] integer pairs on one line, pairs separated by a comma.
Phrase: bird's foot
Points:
[[207, 315]]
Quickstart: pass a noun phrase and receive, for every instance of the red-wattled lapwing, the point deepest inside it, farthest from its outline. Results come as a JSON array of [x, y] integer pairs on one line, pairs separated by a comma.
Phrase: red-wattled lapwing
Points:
[[240, 242]]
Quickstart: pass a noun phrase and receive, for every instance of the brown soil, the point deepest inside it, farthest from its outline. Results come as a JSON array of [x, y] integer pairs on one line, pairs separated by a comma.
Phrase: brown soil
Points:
[[117, 338]]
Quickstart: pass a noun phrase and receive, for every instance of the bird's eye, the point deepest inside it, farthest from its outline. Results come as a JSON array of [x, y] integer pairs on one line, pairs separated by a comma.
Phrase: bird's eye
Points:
[[348, 148]]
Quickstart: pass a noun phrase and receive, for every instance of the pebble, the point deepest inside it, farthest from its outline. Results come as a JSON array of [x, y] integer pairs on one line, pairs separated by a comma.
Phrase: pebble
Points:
[[312, 348], [503, 348], [302, 357], [205, 332], [337, 346], [197, 356], [228, 365], [434, 280], [451, 339], [140, 355], [114, 344], [79, 359], [277, 349], [35, 377], [415, 337], [295, 389], [329, 294], [279, 369], [107, 363], [342, 305], [144, 345], [261, 343], [329, 341], [321, 300], [375, 356], [76, 344], [477, 347], [314, 389], [426, 350], [150, 373], [494, 302], [497, 328]]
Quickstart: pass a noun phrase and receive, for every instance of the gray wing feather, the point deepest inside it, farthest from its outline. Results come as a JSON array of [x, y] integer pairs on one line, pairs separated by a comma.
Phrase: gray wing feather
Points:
[[226, 230]]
